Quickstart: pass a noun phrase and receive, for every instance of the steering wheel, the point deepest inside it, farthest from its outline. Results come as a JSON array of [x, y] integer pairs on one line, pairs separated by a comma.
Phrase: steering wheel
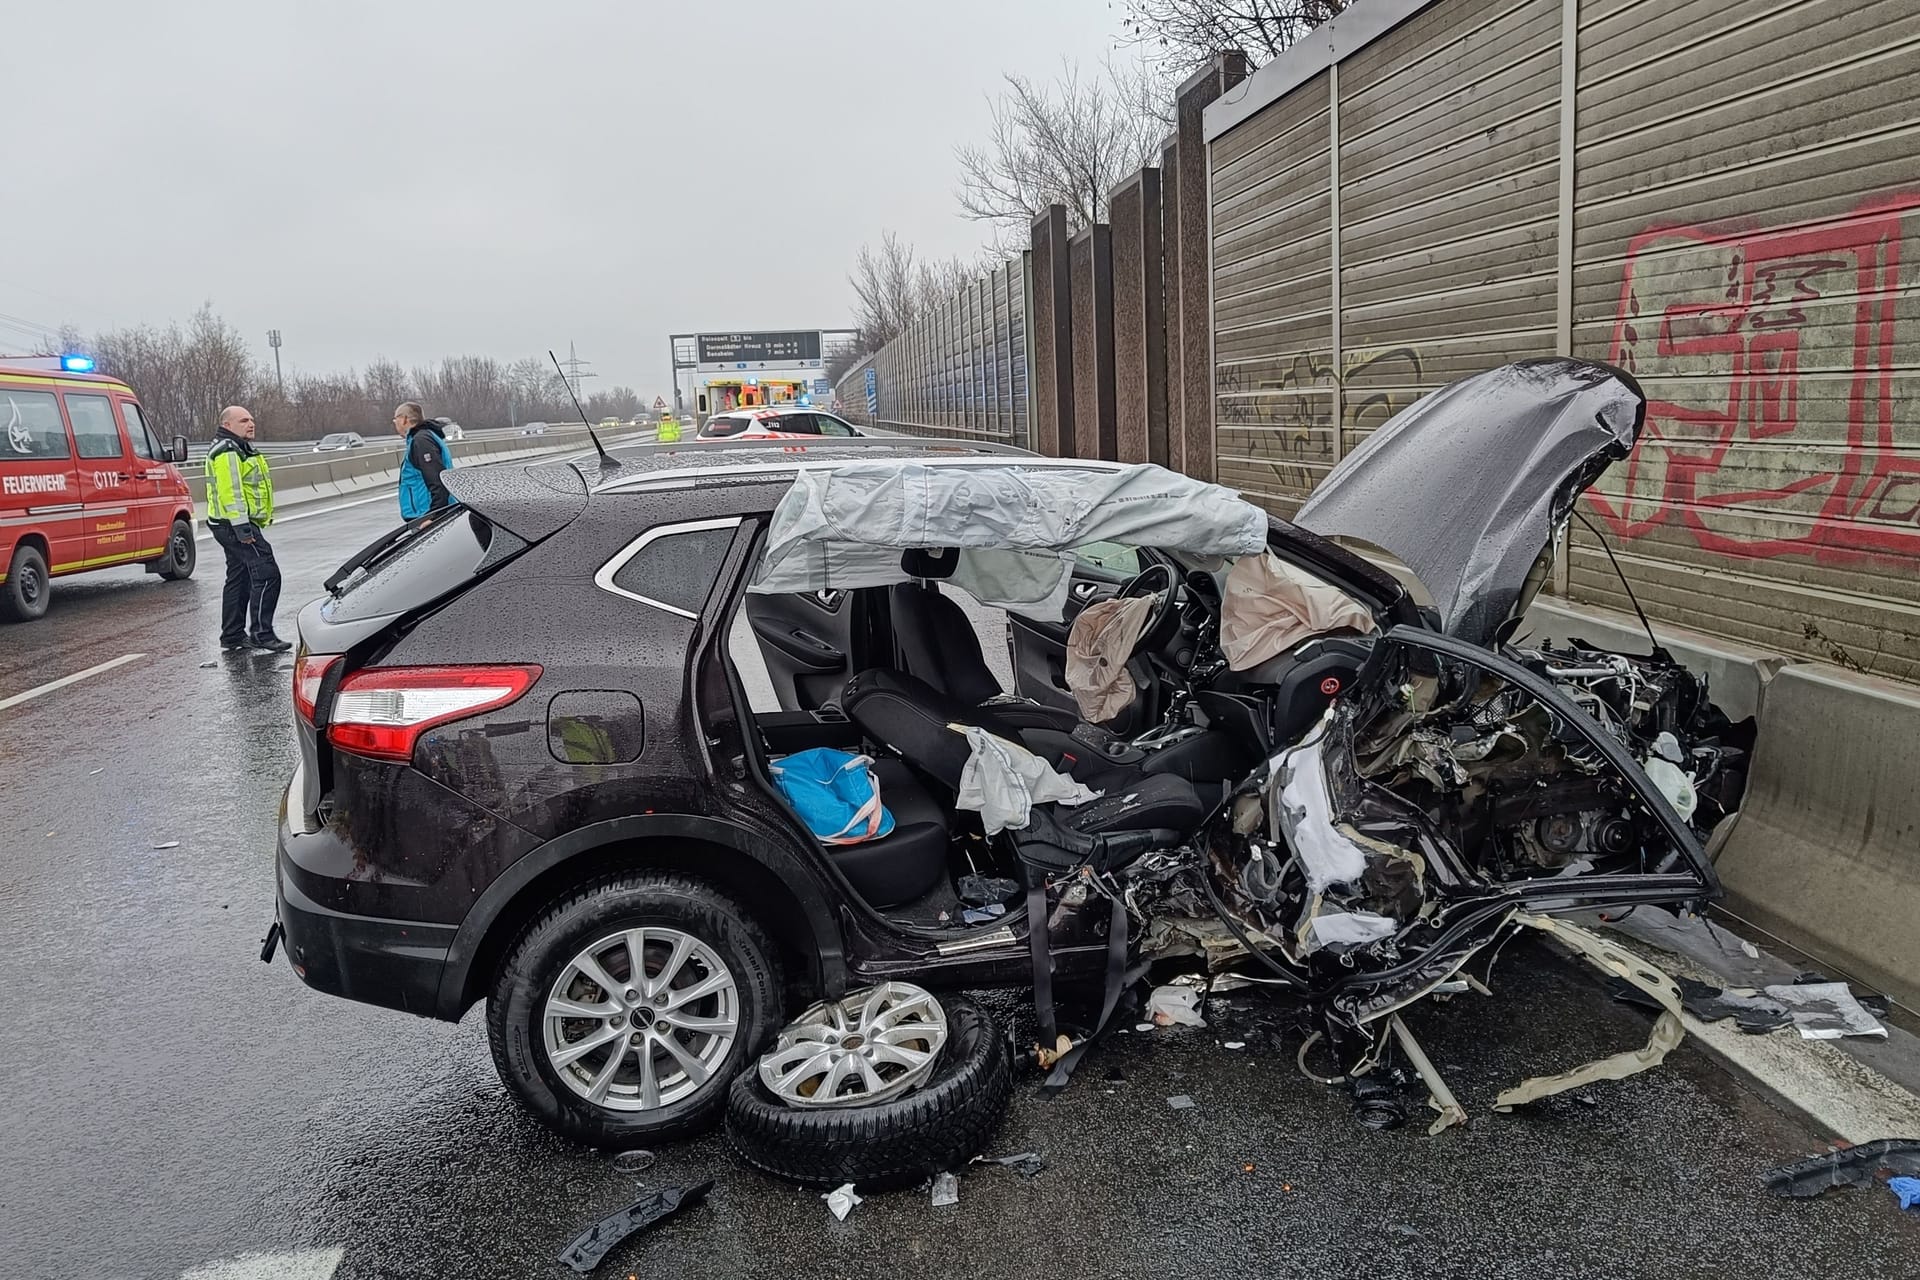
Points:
[[1165, 616]]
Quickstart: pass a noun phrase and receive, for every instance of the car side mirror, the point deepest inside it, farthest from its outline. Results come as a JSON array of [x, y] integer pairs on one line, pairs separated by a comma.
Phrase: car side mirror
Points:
[[178, 454]]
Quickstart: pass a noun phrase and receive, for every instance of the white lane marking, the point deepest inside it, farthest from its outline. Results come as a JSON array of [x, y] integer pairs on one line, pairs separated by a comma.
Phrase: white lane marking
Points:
[[200, 533], [64, 681], [293, 1264]]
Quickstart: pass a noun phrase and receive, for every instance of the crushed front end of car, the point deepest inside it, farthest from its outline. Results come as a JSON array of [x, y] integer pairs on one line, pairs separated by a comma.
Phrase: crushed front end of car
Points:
[[1448, 800]]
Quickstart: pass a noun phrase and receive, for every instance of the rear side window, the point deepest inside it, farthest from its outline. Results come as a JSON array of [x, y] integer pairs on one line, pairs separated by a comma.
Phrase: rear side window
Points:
[[94, 429], [725, 426], [416, 568], [30, 425], [673, 567], [144, 445], [799, 424]]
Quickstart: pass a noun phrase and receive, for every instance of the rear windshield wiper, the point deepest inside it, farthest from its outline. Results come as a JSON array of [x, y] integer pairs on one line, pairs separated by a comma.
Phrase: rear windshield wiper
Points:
[[374, 551]]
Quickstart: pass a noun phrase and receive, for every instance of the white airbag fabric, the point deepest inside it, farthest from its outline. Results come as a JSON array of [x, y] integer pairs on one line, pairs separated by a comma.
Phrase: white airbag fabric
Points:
[[1270, 606], [1098, 646], [1002, 781], [845, 527]]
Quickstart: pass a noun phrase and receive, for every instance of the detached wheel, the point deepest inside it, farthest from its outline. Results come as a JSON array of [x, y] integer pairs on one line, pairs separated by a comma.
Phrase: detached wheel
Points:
[[25, 593], [899, 1142], [181, 555], [622, 1013]]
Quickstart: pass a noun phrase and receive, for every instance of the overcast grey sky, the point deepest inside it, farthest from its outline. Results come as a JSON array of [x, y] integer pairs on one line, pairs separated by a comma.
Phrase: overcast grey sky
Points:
[[415, 179]]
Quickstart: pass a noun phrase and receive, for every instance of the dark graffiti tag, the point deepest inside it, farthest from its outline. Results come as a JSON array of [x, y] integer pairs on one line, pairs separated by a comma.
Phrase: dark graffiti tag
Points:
[[1292, 416]]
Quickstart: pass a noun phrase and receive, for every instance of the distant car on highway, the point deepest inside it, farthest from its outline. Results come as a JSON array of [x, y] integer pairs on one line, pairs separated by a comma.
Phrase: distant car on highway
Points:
[[608, 424], [773, 423], [84, 483], [337, 440], [534, 429]]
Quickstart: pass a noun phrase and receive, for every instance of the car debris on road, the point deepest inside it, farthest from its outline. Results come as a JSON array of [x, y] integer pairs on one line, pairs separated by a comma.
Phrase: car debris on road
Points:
[[1847, 1167], [592, 1246]]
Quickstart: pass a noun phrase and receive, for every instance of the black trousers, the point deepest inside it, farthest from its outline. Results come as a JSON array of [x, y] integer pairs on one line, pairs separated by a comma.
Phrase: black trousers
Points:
[[252, 590]]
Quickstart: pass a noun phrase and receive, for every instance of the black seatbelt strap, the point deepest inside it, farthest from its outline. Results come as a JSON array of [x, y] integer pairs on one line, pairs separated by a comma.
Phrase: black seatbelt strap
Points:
[[1042, 962], [1118, 980]]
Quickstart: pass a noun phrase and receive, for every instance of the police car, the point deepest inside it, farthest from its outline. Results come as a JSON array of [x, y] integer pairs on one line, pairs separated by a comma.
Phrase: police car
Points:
[[84, 483]]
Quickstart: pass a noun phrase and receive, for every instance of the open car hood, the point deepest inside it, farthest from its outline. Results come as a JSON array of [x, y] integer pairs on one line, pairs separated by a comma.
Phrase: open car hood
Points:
[[1467, 486]]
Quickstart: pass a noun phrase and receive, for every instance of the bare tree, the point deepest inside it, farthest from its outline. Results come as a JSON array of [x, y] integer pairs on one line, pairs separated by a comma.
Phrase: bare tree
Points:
[[885, 299], [185, 377], [1184, 35], [616, 402], [1066, 143]]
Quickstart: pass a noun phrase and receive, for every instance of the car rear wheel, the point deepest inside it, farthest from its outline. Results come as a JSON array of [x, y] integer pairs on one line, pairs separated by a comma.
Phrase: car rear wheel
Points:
[[181, 555], [624, 1011], [24, 595]]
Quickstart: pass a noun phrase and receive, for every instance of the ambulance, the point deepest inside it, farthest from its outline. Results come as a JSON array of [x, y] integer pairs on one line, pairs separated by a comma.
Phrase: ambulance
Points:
[[84, 483]]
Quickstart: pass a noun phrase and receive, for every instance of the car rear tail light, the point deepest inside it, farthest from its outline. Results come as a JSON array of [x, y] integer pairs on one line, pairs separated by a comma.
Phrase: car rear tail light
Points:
[[308, 672], [382, 711]]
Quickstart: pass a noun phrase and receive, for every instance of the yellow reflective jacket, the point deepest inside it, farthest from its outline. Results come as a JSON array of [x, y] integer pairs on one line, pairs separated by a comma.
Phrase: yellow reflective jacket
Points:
[[239, 490]]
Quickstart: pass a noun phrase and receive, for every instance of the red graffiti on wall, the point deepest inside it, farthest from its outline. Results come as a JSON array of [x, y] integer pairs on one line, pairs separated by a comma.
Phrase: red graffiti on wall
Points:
[[1755, 345]]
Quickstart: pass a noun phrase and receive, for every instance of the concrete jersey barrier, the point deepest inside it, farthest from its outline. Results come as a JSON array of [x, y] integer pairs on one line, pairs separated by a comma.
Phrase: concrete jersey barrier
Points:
[[1825, 852], [298, 483]]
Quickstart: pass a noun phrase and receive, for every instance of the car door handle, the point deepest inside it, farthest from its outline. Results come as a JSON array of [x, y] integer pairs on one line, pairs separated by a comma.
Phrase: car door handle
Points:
[[1085, 591]]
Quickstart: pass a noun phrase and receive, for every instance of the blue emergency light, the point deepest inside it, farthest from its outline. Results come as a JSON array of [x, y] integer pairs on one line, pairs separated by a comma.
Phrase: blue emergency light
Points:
[[77, 364]]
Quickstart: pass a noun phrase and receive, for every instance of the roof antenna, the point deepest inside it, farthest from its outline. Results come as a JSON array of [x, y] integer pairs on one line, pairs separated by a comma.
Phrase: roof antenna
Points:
[[607, 464]]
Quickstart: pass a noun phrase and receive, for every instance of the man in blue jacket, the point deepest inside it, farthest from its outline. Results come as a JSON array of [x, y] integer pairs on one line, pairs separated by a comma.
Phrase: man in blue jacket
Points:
[[427, 456]]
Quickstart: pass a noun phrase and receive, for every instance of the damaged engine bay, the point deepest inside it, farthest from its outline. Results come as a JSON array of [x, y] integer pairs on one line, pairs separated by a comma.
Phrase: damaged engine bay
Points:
[[1437, 808]]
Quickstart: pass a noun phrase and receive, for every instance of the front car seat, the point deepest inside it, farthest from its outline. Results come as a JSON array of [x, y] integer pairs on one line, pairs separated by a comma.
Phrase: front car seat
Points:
[[938, 645]]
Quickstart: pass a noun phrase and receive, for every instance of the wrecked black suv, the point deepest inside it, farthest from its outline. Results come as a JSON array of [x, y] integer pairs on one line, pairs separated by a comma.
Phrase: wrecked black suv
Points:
[[538, 740]]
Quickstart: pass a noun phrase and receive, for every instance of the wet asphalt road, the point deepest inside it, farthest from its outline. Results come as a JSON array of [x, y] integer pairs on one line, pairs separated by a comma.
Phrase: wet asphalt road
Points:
[[173, 1103]]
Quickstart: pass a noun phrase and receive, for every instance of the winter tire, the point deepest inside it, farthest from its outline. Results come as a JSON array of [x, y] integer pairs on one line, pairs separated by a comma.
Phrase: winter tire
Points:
[[178, 561], [24, 595], [620, 1015], [939, 1126]]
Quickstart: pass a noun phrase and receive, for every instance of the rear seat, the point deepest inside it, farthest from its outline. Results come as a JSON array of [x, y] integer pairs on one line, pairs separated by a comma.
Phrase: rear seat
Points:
[[909, 862]]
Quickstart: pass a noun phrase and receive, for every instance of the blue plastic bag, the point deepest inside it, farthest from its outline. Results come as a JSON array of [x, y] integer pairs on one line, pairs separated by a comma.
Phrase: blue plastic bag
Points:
[[835, 793]]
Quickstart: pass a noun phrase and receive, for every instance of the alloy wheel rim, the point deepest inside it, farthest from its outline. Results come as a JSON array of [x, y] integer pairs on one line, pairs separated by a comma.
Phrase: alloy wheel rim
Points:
[[641, 1019], [873, 1046]]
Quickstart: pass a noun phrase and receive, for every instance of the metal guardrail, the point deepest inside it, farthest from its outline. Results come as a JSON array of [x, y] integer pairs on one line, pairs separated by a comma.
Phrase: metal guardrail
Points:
[[355, 471]]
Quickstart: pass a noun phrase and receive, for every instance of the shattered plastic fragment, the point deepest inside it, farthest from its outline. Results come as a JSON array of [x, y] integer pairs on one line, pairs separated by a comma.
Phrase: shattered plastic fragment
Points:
[[1753, 1014], [841, 1200], [598, 1240], [1180, 1102], [946, 1191], [982, 891], [1846, 1168], [170, 844], [1170, 1006], [1026, 1164], [1826, 1010], [1234, 1044]]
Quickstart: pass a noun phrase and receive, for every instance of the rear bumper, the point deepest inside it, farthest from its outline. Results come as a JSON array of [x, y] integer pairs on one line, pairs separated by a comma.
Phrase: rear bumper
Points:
[[396, 964]]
